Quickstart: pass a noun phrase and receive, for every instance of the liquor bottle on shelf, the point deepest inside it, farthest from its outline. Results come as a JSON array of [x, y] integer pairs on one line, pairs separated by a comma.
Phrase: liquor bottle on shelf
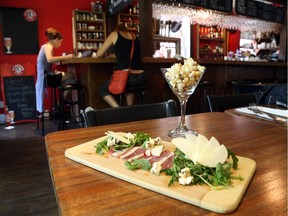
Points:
[[211, 42], [89, 29]]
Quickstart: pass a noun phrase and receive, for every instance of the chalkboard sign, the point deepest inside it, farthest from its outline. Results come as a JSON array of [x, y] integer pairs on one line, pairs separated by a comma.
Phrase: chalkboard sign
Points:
[[260, 10], [19, 92], [218, 5]]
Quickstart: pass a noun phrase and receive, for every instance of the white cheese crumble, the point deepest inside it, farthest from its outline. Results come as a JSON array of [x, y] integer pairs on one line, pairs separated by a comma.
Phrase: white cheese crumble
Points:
[[185, 176], [149, 144], [156, 168], [130, 136], [111, 141]]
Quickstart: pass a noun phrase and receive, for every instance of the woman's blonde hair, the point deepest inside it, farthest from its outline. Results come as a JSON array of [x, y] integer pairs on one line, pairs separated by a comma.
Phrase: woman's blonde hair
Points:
[[53, 34]]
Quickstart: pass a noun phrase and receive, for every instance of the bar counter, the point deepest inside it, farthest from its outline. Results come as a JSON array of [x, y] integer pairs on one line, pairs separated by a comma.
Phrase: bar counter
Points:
[[91, 72]]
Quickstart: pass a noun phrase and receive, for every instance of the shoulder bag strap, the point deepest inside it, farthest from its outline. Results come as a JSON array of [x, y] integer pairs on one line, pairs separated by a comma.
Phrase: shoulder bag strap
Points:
[[132, 49]]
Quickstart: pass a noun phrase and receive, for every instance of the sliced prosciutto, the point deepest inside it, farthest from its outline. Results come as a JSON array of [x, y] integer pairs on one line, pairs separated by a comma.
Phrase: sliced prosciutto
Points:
[[138, 152], [168, 163], [165, 159], [163, 155]]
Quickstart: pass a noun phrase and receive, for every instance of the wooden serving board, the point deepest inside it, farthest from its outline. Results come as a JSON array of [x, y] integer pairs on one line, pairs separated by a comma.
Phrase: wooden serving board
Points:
[[221, 201]]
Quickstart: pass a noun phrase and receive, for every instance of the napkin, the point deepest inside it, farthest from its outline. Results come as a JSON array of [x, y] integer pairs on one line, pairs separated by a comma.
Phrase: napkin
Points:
[[278, 112]]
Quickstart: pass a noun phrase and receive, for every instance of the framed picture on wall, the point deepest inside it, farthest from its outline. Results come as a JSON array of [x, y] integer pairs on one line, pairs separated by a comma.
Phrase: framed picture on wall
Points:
[[19, 30]]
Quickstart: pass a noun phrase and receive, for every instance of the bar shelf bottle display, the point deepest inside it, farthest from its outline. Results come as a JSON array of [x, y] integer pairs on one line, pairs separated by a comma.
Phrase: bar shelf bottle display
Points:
[[212, 42], [89, 30]]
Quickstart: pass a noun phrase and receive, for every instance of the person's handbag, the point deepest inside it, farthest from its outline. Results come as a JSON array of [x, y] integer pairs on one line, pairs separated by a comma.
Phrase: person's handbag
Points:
[[118, 81], [52, 79]]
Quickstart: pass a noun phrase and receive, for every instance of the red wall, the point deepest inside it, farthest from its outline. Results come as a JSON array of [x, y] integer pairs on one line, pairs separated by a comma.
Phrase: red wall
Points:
[[234, 40], [51, 13], [58, 14]]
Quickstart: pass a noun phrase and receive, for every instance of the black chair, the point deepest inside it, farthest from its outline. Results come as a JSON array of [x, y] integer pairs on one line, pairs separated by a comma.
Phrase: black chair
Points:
[[139, 112], [237, 86], [220, 103]]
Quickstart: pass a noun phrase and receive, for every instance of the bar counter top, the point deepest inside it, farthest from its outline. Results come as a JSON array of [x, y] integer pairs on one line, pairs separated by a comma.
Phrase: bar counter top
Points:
[[91, 60]]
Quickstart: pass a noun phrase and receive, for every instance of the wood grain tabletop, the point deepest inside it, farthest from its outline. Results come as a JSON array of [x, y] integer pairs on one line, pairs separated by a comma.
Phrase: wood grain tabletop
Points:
[[81, 190]]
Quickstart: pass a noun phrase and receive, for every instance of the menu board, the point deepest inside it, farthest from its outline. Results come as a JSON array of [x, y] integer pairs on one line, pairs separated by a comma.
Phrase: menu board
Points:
[[19, 92], [115, 6], [260, 10], [218, 5]]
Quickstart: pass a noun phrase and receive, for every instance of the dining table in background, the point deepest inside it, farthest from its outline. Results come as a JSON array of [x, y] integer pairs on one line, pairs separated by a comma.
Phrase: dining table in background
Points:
[[81, 190], [244, 113]]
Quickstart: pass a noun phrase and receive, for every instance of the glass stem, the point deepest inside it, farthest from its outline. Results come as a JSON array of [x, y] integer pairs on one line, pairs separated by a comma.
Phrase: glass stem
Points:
[[183, 102]]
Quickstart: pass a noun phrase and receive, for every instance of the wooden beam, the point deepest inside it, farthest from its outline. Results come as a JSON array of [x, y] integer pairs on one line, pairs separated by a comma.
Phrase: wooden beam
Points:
[[146, 27]]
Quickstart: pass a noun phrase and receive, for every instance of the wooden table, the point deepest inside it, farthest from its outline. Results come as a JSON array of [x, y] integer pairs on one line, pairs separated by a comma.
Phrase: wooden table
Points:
[[254, 117], [81, 190]]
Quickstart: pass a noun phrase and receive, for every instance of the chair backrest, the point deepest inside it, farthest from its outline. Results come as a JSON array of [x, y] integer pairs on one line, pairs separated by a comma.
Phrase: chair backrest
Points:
[[220, 103], [93, 117]]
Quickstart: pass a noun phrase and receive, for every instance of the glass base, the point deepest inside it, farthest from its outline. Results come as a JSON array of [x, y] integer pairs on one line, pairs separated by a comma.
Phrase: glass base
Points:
[[181, 131]]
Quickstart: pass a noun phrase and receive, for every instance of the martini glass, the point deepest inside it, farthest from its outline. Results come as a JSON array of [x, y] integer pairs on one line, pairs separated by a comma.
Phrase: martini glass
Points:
[[183, 95]]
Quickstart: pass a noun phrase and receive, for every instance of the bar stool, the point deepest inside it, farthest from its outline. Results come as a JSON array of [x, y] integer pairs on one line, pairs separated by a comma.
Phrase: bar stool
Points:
[[232, 86], [203, 87], [70, 109], [134, 89], [53, 82]]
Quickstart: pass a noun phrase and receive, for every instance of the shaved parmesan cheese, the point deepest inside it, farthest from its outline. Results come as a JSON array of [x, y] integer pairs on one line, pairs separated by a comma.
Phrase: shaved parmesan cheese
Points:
[[117, 136], [212, 158], [185, 146], [201, 150], [148, 152], [157, 150]]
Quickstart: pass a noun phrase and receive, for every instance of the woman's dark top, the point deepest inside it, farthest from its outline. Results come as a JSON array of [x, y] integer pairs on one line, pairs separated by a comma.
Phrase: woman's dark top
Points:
[[122, 49]]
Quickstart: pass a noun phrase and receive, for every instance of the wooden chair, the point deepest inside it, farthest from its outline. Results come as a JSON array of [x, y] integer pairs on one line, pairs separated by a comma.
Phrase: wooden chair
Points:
[[220, 103], [93, 117]]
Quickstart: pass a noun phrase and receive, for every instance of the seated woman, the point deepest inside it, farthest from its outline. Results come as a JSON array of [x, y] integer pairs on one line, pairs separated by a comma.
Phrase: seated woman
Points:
[[121, 40], [45, 62]]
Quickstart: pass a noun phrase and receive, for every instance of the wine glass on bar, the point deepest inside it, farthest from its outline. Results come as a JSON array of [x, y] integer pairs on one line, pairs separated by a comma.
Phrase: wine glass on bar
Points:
[[183, 80], [12, 116], [8, 44]]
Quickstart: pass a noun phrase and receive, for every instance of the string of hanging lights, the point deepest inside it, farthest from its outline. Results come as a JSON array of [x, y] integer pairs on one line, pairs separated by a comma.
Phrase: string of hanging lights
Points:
[[212, 18]]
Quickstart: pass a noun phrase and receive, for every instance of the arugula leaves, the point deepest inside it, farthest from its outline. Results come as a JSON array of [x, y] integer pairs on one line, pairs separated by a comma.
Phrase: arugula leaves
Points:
[[102, 146], [214, 177], [138, 164]]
